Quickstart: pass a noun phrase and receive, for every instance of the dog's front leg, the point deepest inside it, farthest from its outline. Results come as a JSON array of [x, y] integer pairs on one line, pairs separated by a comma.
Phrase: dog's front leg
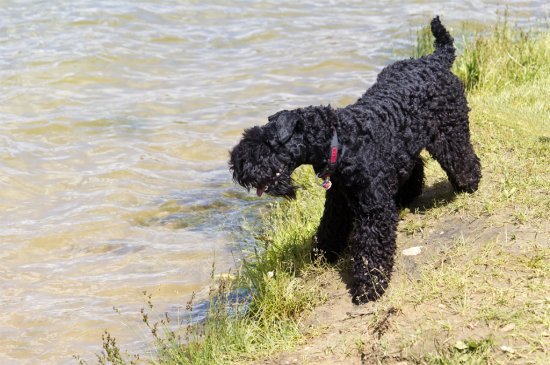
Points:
[[373, 247], [335, 227]]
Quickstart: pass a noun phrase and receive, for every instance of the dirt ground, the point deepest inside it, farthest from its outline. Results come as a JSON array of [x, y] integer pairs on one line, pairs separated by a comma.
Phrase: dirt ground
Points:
[[339, 332]]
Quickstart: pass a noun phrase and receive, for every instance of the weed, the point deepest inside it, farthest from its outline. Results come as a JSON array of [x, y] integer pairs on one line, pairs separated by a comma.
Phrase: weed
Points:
[[469, 352]]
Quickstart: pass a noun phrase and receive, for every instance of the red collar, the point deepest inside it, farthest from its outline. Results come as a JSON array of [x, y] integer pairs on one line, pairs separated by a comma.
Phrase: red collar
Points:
[[332, 162]]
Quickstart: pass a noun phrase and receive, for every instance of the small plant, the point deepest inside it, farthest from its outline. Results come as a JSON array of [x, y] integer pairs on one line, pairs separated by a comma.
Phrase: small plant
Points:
[[469, 352], [111, 354]]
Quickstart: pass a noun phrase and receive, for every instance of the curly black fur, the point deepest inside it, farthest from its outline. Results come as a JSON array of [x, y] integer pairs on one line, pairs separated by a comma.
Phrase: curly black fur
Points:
[[414, 104]]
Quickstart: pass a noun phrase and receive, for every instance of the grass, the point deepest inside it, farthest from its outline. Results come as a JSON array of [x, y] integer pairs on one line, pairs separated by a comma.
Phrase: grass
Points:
[[483, 305], [492, 292], [507, 78]]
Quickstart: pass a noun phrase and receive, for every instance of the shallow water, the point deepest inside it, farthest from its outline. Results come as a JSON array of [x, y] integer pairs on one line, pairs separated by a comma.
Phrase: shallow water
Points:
[[115, 122]]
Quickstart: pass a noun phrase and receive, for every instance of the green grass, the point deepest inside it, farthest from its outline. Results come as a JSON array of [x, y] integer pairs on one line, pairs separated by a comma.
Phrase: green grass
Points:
[[492, 292], [507, 76], [470, 293], [471, 352]]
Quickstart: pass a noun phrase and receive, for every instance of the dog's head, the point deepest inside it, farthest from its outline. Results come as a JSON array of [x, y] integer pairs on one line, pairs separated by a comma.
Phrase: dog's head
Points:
[[264, 159]]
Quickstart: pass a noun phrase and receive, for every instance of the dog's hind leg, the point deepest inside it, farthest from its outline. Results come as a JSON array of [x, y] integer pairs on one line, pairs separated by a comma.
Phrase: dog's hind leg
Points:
[[335, 227], [412, 187], [454, 152], [373, 247]]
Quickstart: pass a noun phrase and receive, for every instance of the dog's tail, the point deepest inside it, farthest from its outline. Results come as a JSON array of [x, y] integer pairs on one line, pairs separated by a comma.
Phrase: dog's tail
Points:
[[443, 41]]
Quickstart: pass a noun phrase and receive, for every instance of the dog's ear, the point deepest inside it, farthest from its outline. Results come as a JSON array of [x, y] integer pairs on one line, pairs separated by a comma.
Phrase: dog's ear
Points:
[[281, 126]]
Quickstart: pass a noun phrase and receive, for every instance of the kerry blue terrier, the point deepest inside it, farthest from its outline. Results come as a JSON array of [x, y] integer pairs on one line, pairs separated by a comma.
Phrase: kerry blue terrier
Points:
[[368, 155]]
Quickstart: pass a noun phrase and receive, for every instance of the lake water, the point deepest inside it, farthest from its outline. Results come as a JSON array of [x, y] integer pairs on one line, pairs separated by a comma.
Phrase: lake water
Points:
[[116, 118]]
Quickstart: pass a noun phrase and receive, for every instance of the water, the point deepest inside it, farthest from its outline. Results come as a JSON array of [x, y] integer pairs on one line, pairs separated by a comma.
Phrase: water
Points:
[[116, 118]]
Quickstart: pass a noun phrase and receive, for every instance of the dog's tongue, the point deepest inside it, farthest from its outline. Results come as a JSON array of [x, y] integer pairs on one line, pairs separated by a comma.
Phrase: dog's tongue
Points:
[[260, 191]]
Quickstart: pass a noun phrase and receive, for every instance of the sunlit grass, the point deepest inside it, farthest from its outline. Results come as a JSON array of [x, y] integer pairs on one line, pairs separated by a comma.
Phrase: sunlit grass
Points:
[[493, 292]]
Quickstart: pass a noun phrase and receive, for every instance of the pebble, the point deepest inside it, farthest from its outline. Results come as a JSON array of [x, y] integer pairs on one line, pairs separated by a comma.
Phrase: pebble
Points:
[[508, 327], [412, 251], [507, 349]]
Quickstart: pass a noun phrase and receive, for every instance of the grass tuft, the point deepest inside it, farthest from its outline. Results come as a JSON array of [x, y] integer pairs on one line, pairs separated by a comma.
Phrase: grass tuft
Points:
[[470, 352], [500, 58]]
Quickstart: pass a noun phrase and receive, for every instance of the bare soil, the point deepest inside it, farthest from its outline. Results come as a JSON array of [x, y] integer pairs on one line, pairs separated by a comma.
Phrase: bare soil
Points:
[[339, 332]]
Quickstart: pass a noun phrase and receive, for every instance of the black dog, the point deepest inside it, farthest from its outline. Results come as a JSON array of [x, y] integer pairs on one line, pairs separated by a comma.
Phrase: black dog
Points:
[[368, 155]]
